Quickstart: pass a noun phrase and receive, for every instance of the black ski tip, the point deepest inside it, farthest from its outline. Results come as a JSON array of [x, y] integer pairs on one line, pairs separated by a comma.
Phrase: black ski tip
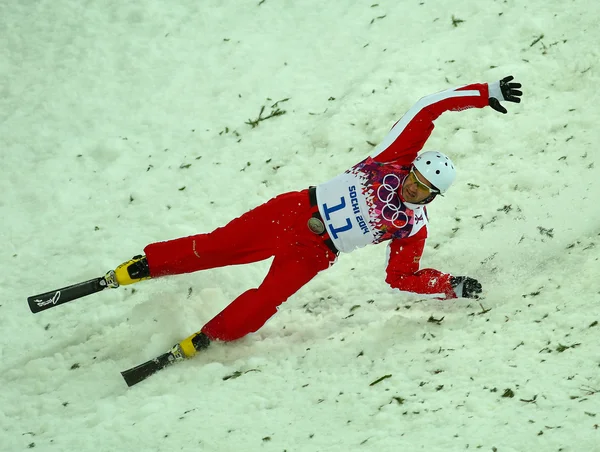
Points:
[[43, 301], [139, 373], [132, 378]]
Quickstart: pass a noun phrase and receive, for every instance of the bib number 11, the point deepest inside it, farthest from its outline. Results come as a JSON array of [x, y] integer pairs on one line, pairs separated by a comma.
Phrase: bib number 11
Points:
[[329, 210]]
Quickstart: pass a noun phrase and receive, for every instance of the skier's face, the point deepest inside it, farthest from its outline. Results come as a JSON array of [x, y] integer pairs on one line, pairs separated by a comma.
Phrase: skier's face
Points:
[[416, 188]]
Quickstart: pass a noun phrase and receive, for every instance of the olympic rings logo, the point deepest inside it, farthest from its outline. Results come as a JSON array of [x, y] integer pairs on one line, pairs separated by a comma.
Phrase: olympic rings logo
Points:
[[392, 208]]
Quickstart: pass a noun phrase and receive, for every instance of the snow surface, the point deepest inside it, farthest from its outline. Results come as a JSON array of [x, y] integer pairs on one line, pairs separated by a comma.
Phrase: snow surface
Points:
[[125, 123]]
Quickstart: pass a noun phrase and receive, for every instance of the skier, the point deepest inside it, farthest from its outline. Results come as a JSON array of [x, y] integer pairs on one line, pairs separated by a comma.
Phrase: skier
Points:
[[382, 198]]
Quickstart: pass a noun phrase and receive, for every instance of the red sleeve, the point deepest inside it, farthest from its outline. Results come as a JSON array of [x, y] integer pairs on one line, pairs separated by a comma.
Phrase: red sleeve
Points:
[[409, 134], [403, 271]]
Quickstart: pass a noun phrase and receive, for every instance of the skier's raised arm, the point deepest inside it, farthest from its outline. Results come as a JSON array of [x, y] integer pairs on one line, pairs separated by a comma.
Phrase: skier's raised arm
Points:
[[407, 137]]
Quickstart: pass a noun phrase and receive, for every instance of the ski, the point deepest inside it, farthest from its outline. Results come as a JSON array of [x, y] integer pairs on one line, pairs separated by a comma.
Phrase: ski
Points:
[[139, 373], [184, 350], [47, 300]]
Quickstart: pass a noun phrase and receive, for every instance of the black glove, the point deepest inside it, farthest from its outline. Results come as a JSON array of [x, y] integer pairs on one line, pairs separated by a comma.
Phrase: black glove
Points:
[[465, 287], [504, 90]]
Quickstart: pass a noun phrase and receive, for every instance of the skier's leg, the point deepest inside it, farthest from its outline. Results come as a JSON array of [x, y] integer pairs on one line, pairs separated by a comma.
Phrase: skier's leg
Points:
[[288, 273], [254, 236]]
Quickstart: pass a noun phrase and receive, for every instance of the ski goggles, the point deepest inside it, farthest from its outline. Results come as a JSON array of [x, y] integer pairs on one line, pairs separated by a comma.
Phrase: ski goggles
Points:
[[421, 186]]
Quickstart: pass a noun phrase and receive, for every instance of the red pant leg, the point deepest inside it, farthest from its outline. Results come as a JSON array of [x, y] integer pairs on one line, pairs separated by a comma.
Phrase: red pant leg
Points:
[[254, 236], [291, 269], [277, 228]]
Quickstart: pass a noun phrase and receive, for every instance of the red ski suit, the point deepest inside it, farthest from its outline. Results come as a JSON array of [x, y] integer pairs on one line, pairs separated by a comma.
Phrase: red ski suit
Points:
[[361, 206]]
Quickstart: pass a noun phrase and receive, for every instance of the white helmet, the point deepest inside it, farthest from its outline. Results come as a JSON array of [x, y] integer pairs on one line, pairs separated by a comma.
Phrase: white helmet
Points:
[[437, 168]]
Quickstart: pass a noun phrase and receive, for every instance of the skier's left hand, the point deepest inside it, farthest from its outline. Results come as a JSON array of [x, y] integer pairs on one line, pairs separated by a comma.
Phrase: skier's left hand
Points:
[[504, 90]]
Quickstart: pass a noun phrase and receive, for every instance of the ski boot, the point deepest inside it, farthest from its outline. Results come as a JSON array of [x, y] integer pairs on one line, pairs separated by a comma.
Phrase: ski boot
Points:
[[132, 271], [188, 347]]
